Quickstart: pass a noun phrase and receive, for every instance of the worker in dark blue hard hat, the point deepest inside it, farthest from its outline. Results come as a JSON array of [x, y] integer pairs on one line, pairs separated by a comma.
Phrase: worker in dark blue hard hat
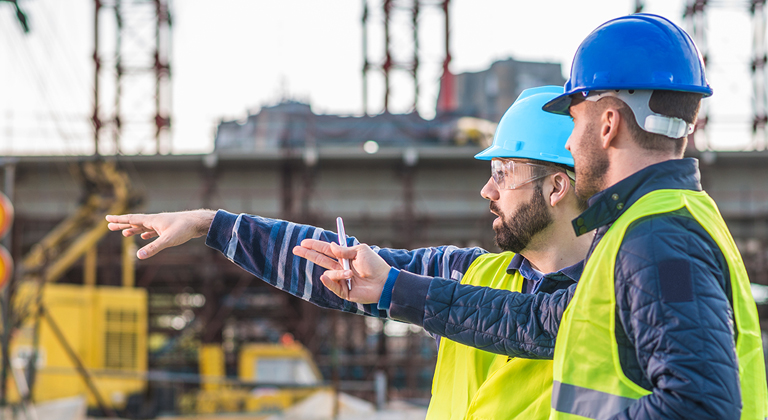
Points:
[[662, 323]]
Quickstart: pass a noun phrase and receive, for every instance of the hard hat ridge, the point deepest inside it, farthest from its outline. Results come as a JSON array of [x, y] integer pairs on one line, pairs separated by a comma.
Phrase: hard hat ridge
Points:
[[527, 132]]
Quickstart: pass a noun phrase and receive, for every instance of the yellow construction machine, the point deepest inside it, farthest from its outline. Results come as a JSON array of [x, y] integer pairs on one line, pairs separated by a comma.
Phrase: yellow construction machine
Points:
[[72, 339], [271, 378]]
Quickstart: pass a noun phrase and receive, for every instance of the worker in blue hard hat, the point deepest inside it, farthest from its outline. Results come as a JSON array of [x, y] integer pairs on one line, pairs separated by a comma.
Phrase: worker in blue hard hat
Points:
[[662, 323], [530, 190]]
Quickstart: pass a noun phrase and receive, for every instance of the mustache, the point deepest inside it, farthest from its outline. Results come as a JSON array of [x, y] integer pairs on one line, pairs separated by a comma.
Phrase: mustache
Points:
[[495, 208]]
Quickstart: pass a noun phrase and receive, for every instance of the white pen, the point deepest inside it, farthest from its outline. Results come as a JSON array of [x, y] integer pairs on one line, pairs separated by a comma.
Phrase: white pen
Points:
[[343, 242]]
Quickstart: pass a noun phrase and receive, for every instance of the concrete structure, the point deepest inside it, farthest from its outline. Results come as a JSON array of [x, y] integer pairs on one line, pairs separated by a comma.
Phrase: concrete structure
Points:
[[399, 197]]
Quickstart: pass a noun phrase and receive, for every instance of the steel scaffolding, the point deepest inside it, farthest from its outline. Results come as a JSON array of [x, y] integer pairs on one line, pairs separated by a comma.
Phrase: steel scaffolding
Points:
[[140, 88]]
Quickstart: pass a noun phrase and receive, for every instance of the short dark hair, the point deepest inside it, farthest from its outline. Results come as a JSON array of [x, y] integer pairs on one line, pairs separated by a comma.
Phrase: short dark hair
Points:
[[683, 105]]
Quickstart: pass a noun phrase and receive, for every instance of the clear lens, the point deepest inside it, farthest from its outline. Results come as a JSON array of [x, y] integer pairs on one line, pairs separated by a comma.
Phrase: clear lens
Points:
[[508, 174]]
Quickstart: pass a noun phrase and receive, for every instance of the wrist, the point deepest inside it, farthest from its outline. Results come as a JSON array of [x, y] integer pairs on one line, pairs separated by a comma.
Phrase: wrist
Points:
[[204, 221], [386, 293]]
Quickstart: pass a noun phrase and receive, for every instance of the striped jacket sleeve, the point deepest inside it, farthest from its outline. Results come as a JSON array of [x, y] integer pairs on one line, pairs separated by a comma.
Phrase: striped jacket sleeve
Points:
[[263, 247]]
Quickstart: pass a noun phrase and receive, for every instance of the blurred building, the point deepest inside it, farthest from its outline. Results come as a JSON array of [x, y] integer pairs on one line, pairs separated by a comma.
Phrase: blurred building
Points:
[[487, 94], [483, 95], [293, 124]]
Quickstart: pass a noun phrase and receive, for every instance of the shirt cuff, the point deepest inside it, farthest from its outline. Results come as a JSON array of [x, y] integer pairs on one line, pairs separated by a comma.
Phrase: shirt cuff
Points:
[[220, 231], [386, 294]]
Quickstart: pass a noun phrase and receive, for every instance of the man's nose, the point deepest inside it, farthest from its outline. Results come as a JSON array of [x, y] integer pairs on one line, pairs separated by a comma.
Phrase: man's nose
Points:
[[490, 191]]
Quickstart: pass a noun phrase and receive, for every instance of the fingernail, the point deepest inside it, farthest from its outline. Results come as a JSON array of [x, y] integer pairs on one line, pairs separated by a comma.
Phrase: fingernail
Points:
[[142, 253]]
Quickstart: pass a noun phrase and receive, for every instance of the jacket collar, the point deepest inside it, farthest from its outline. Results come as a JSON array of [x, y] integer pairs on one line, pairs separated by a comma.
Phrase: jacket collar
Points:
[[521, 264], [607, 205]]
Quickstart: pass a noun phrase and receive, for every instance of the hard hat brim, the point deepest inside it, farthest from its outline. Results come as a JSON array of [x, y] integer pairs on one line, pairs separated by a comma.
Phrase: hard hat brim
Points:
[[558, 105], [500, 152]]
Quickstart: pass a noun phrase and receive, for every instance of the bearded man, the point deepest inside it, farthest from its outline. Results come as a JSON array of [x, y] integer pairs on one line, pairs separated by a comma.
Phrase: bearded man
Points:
[[531, 191]]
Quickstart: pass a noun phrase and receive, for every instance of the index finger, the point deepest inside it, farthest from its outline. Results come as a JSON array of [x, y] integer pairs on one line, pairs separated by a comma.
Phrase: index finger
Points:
[[316, 257], [121, 226], [126, 219], [330, 249], [348, 253], [318, 246]]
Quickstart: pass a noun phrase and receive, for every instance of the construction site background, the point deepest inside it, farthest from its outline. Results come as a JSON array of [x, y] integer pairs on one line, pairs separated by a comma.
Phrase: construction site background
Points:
[[89, 329]]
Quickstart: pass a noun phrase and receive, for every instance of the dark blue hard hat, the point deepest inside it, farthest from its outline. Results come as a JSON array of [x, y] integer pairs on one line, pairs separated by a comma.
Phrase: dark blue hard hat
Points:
[[640, 51]]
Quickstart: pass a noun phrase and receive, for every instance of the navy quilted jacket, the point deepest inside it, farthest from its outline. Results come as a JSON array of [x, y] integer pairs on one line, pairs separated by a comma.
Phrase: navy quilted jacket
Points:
[[674, 322]]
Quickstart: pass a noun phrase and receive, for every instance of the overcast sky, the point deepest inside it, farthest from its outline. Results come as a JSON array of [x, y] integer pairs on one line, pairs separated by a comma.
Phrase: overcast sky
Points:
[[233, 56]]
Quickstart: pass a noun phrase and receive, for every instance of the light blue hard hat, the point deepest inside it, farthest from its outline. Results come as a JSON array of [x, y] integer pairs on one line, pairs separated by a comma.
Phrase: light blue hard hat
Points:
[[636, 52], [527, 132]]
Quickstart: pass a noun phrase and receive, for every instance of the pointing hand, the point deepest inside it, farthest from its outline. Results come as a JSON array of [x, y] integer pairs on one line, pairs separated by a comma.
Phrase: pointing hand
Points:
[[170, 229]]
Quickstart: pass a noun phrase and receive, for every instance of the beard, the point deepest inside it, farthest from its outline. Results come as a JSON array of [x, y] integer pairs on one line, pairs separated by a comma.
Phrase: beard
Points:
[[515, 232], [592, 166]]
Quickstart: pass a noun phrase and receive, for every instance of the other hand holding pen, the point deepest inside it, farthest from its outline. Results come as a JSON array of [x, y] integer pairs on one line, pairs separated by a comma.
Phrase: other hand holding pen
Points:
[[368, 270]]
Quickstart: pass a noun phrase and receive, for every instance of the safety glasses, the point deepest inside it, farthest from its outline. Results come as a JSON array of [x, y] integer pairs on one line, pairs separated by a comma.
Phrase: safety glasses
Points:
[[509, 174]]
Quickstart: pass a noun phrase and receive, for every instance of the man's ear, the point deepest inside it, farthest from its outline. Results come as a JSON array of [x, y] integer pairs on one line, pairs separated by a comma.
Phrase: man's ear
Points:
[[610, 120], [561, 184]]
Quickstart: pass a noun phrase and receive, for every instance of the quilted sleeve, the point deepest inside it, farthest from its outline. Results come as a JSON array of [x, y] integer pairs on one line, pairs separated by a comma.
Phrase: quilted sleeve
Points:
[[497, 321], [673, 307]]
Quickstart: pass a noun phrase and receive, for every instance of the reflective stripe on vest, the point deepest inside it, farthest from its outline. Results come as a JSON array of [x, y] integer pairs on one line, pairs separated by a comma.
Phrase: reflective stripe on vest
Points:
[[477, 385], [587, 402], [589, 381]]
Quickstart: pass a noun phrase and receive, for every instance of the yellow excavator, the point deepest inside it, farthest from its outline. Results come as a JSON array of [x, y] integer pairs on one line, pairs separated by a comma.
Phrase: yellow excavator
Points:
[[78, 339]]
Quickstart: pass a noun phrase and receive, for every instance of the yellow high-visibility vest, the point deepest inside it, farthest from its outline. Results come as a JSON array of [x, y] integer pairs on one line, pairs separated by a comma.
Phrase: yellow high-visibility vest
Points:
[[589, 381], [478, 385]]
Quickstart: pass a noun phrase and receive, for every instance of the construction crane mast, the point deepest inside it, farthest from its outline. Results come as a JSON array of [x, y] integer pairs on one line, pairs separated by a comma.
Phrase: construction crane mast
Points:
[[139, 116], [389, 63]]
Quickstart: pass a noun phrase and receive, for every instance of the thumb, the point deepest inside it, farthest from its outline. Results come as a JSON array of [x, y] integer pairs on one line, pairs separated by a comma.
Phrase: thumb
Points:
[[334, 286]]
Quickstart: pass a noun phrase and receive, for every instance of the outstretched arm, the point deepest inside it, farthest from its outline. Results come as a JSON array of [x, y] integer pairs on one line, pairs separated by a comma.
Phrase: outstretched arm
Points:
[[258, 245], [262, 247]]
